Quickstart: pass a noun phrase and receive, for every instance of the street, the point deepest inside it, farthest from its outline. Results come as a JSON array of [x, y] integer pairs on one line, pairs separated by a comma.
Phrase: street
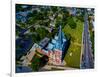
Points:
[[87, 56]]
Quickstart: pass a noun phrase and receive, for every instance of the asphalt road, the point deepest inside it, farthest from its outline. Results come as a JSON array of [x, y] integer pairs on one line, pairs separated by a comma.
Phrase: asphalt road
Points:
[[87, 57]]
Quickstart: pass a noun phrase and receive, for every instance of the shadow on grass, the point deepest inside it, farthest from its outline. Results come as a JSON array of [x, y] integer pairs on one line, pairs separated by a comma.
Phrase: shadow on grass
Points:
[[67, 44]]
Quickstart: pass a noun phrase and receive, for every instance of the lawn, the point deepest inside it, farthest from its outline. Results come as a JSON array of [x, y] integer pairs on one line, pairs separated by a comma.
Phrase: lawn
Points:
[[72, 57]]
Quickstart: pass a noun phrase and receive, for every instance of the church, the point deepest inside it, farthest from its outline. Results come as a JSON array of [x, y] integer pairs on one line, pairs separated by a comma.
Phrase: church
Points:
[[56, 48]]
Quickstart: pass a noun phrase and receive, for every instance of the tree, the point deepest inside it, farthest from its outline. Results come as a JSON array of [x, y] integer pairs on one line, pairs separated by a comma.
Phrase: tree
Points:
[[35, 37], [71, 23], [31, 20], [81, 18], [42, 32], [18, 7], [35, 63], [54, 9]]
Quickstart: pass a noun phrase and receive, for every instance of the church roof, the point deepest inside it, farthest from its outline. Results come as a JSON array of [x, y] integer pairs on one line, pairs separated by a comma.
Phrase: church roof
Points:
[[57, 42]]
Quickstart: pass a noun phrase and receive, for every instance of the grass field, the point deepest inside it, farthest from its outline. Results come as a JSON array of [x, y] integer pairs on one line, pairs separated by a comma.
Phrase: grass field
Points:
[[72, 57]]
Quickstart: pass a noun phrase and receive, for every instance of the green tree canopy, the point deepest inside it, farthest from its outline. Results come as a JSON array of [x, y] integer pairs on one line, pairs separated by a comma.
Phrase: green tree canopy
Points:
[[42, 32], [71, 23]]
